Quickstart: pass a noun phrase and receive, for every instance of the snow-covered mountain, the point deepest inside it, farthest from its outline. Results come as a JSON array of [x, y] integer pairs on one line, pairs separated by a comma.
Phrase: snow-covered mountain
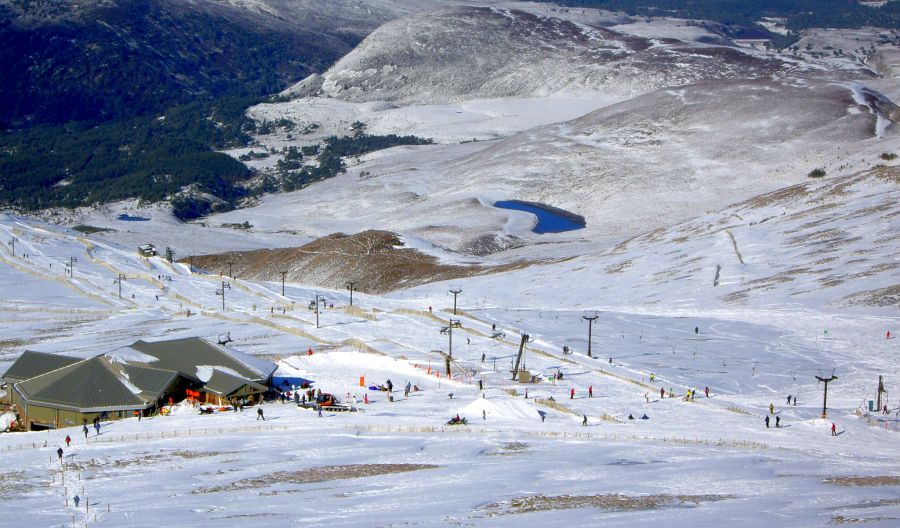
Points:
[[634, 128], [128, 57], [710, 260], [482, 52]]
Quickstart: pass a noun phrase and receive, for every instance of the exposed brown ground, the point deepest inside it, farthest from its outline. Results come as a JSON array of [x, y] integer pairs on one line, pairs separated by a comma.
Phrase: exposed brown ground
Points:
[[376, 260], [319, 474], [884, 480], [609, 502]]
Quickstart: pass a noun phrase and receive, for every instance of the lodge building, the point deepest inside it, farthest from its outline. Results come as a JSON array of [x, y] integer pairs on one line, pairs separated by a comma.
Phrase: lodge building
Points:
[[49, 391]]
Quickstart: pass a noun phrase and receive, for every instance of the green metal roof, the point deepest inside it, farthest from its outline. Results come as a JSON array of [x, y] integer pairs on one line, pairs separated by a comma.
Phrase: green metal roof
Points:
[[89, 385], [185, 355], [31, 364], [223, 384], [152, 382]]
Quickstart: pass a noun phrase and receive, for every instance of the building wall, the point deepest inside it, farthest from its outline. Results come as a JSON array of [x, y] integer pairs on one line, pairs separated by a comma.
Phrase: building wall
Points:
[[45, 416]]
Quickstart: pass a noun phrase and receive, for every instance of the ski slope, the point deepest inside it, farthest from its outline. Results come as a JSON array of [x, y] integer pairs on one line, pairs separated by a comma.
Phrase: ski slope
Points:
[[697, 461]]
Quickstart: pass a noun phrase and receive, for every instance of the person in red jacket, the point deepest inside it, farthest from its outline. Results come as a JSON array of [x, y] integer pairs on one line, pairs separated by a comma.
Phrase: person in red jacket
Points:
[[591, 391], [572, 394], [68, 440], [833, 429]]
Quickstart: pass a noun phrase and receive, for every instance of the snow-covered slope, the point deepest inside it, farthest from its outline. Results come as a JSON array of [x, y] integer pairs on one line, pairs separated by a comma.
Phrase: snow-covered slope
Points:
[[533, 460], [821, 246], [481, 52], [638, 165], [667, 155]]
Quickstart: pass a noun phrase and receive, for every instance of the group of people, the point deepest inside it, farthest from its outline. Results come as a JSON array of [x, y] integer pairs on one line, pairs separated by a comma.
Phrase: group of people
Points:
[[84, 427]]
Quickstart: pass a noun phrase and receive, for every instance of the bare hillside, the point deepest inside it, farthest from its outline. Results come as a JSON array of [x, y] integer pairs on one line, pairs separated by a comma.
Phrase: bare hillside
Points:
[[376, 260]]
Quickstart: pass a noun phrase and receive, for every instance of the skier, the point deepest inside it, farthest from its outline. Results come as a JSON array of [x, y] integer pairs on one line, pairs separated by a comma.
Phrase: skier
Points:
[[482, 357], [647, 397], [767, 421], [778, 421], [652, 377], [480, 385], [366, 399], [584, 419], [68, 440], [526, 393], [97, 426], [789, 399], [795, 401], [259, 414], [76, 499], [389, 385], [888, 335], [409, 388], [833, 429], [706, 390], [59, 453], [771, 408], [84, 429], [483, 414], [696, 330], [572, 394], [493, 327], [662, 393], [590, 391], [320, 411]]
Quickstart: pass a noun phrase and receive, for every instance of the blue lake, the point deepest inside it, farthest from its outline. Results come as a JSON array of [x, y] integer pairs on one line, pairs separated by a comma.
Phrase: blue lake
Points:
[[127, 218], [549, 219]]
